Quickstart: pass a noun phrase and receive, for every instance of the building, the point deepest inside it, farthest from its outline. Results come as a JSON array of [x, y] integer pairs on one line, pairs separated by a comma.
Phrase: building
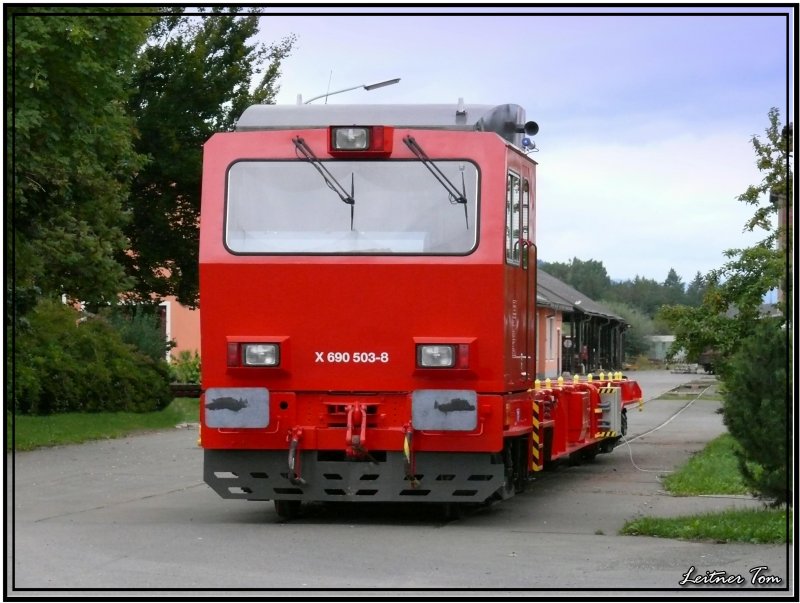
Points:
[[181, 325], [589, 336], [660, 346]]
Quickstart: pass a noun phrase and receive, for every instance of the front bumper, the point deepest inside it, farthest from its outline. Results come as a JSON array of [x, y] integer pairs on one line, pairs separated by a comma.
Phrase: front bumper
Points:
[[439, 476]]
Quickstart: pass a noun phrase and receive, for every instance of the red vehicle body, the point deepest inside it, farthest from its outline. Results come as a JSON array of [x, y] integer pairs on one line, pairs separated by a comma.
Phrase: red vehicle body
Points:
[[368, 287]]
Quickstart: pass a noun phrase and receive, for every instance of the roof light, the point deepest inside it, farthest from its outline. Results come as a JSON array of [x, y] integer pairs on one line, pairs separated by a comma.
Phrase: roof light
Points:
[[360, 141], [350, 139]]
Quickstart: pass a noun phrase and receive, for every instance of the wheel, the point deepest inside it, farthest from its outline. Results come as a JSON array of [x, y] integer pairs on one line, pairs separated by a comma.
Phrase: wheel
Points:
[[287, 509], [453, 511], [590, 453], [575, 458], [608, 445], [624, 422]]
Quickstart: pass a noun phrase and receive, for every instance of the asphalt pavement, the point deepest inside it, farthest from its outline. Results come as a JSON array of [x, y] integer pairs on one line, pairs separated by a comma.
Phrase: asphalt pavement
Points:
[[132, 516]]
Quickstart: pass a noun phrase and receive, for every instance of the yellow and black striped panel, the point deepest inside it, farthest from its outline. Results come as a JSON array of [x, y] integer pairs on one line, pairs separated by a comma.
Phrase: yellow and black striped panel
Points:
[[606, 434], [537, 446]]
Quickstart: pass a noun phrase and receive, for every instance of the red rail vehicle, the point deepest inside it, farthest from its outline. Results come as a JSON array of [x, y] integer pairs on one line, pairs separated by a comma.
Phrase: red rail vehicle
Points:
[[368, 286]]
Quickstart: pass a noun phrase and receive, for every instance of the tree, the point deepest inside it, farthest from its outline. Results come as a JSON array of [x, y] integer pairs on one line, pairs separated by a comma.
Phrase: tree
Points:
[[752, 348], [673, 289], [754, 271], [696, 290], [705, 327], [773, 158], [636, 340], [193, 78], [643, 293], [64, 363], [72, 150], [589, 276], [757, 412], [734, 294]]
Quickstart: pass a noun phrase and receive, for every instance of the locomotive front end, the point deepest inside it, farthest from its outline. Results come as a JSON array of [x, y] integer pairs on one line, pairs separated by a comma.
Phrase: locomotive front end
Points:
[[352, 346]]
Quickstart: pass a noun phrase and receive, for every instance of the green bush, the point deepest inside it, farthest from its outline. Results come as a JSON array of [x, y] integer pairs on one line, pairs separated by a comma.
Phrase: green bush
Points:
[[757, 409], [185, 368], [140, 326], [64, 363]]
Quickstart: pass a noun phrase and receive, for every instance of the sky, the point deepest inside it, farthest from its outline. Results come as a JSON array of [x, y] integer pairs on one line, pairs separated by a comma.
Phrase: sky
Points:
[[645, 119]]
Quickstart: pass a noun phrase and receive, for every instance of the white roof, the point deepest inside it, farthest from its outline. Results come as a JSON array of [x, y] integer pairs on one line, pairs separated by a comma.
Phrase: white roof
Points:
[[506, 120]]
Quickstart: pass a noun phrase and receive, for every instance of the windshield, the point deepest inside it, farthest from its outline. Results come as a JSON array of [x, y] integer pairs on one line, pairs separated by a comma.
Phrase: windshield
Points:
[[398, 208]]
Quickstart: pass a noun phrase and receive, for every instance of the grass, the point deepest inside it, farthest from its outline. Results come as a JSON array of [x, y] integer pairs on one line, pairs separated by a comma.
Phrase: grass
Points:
[[757, 526], [708, 389], [32, 432], [714, 470]]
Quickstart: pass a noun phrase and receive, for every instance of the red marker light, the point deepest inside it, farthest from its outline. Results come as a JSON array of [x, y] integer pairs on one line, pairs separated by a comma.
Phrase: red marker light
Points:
[[234, 357], [463, 356]]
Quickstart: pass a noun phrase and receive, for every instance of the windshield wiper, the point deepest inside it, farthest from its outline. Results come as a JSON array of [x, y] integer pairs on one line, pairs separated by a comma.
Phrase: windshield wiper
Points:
[[332, 183], [452, 192]]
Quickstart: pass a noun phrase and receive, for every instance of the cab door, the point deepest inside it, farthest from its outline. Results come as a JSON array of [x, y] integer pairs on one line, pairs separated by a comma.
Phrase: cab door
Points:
[[520, 278]]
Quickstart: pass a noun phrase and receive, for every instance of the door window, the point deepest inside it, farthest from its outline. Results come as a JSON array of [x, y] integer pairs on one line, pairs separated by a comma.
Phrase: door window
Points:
[[513, 219]]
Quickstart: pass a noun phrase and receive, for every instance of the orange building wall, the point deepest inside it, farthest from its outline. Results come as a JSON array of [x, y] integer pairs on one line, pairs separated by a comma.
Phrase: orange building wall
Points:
[[183, 327], [546, 366]]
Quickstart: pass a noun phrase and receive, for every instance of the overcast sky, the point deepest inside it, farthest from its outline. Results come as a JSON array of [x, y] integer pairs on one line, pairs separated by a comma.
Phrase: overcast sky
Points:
[[645, 121]]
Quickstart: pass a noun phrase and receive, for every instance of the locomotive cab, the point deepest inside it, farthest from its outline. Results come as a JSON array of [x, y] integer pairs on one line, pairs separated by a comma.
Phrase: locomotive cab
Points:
[[368, 289]]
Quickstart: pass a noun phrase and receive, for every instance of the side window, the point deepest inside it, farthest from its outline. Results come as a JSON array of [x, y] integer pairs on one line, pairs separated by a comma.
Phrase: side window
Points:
[[513, 219], [526, 204]]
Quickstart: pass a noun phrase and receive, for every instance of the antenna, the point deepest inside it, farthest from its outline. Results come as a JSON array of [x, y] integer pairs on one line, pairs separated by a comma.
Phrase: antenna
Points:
[[329, 87], [364, 86]]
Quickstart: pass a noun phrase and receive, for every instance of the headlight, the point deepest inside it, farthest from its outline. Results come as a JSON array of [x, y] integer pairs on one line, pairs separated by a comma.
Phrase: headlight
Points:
[[351, 139], [260, 354], [436, 356]]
